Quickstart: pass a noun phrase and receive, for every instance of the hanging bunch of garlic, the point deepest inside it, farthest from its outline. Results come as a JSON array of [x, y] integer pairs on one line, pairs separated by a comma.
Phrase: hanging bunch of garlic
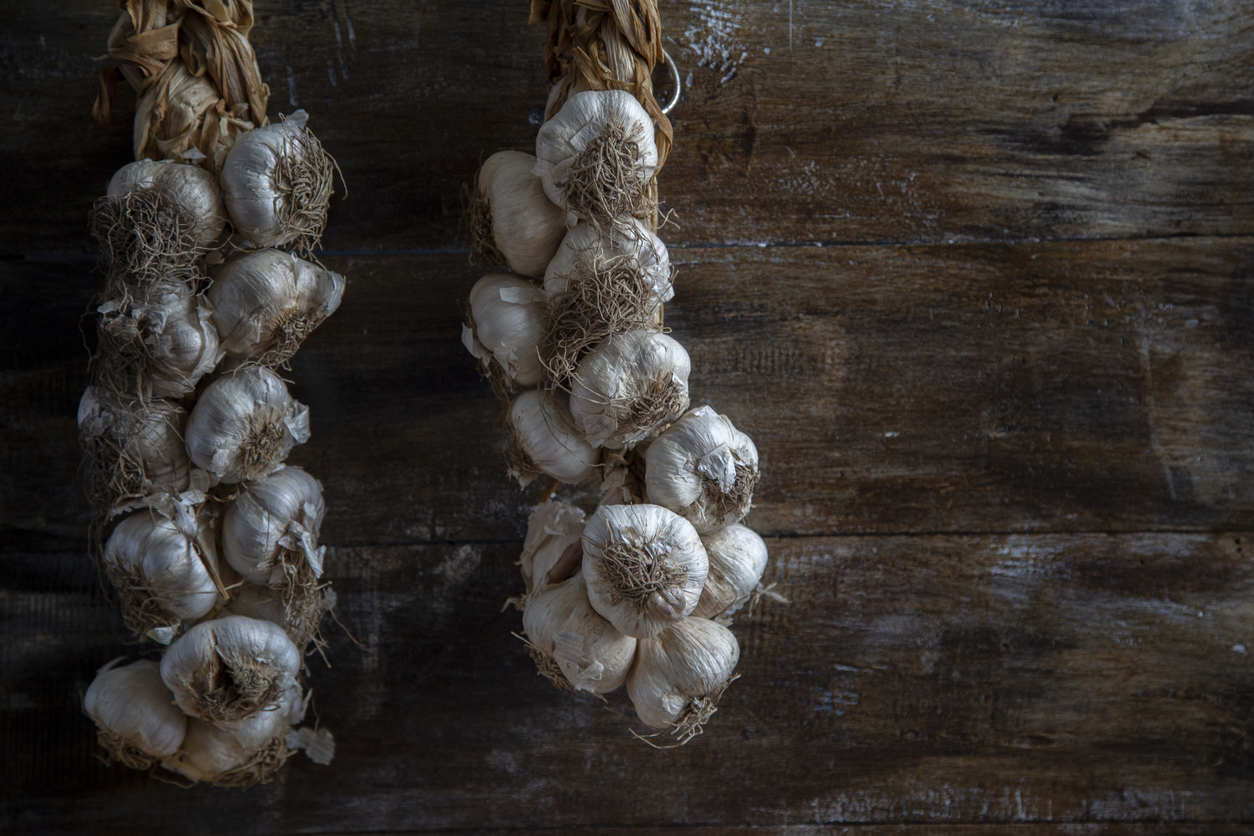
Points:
[[207, 538], [642, 591]]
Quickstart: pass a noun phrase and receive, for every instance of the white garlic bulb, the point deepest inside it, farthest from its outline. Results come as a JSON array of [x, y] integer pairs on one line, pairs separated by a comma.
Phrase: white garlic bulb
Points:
[[571, 643], [627, 247], [274, 521], [644, 566], [244, 425], [138, 722], [265, 303], [277, 182], [628, 386], [551, 529], [161, 573], [133, 447], [187, 187], [542, 440], [225, 670], [597, 156], [514, 218], [162, 347], [737, 560], [704, 469], [680, 675], [505, 323]]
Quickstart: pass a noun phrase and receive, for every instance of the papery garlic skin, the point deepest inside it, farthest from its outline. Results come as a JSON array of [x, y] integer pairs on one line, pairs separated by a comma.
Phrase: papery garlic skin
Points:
[[737, 560], [138, 721], [161, 574], [598, 137], [188, 187], [543, 441], [228, 669], [679, 674], [703, 469], [506, 325], [244, 425], [644, 566], [260, 178], [526, 227], [271, 518], [133, 448], [551, 529], [627, 386], [587, 249], [265, 303], [162, 347], [564, 630]]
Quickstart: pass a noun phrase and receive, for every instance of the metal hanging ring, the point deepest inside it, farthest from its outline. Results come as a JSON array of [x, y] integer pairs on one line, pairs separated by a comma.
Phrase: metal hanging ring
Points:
[[670, 62]]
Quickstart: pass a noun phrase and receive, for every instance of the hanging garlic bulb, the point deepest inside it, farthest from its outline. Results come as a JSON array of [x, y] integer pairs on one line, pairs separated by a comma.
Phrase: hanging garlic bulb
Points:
[[187, 188], [505, 323], [627, 249], [551, 529], [274, 522], [571, 644], [628, 386], [597, 156], [225, 670], [512, 220], [280, 607], [161, 348], [543, 441], [265, 303], [644, 566], [162, 574], [133, 448], [737, 560], [680, 675], [277, 182], [138, 722], [244, 425], [704, 469]]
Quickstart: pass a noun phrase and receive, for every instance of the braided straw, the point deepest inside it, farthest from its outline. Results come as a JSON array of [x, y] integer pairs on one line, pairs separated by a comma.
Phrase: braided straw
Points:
[[195, 73]]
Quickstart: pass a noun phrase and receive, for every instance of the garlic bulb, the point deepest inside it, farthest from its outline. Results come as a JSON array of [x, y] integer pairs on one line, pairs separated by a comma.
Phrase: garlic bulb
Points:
[[139, 724], [298, 616], [505, 323], [704, 469], [571, 644], [244, 425], [512, 220], [597, 156], [265, 303], [161, 573], [737, 560], [628, 250], [551, 529], [225, 670], [629, 385], [277, 182], [133, 448], [644, 566], [162, 347], [187, 188], [680, 675], [542, 441]]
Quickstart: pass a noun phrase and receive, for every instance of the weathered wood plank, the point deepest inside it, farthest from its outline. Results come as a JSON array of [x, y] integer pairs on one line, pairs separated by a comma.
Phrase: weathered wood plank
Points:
[[1098, 386], [947, 679], [859, 121]]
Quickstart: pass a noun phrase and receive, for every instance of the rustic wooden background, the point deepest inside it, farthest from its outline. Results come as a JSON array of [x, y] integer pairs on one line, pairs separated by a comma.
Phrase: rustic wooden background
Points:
[[976, 276]]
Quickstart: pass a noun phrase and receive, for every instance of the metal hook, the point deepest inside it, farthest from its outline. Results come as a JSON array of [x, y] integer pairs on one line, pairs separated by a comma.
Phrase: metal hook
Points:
[[670, 62]]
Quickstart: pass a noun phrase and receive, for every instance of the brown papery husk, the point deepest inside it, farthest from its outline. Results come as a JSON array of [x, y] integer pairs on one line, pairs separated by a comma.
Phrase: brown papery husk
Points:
[[258, 769], [124, 752], [233, 687], [483, 249], [607, 181], [734, 504], [692, 723], [147, 248], [306, 179]]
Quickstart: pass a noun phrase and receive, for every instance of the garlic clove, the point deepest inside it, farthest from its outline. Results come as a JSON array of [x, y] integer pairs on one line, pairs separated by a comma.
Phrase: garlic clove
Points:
[[138, 722], [542, 440], [704, 469], [679, 675], [244, 425], [737, 560], [644, 567], [628, 386], [504, 328], [512, 219], [551, 529], [571, 644], [265, 303]]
